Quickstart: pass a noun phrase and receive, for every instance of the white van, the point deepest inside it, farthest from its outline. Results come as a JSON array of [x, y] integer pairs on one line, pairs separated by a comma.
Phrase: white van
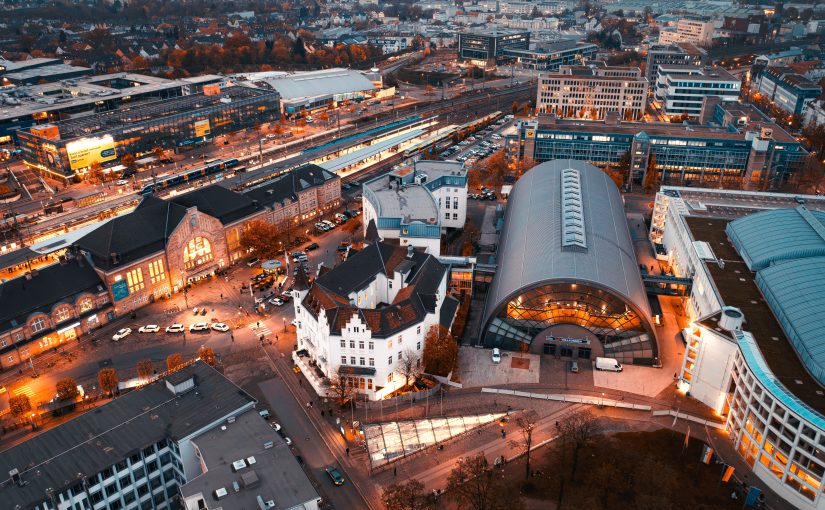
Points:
[[608, 364]]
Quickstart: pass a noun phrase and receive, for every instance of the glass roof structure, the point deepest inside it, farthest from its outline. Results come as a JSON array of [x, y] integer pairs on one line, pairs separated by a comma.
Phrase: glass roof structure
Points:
[[772, 236], [795, 291], [387, 442]]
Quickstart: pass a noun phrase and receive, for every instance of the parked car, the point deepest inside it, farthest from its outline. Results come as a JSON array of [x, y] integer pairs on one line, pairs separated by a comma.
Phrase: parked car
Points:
[[574, 367], [276, 301], [265, 414], [198, 326], [496, 355], [275, 426], [253, 261], [121, 334], [220, 326], [335, 475], [149, 328], [311, 247], [343, 246], [175, 328]]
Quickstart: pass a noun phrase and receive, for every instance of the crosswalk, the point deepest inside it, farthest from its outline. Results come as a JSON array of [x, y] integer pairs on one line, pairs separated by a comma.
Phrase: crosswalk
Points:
[[260, 329], [24, 390]]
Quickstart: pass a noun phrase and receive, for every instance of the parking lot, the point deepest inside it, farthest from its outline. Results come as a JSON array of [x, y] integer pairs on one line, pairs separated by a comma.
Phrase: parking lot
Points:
[[476, 368]]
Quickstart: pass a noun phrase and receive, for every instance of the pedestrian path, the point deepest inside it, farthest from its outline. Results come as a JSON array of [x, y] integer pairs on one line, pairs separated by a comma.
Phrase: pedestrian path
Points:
[[24, 390], [260, 329]]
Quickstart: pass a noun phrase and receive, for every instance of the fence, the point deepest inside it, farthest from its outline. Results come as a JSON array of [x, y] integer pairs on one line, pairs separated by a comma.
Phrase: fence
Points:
[[677, 414], [574, 399]]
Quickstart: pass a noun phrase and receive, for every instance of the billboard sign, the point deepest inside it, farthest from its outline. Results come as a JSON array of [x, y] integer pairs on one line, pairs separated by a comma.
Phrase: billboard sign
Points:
[[202, 128], [120, 290], [82, 153]]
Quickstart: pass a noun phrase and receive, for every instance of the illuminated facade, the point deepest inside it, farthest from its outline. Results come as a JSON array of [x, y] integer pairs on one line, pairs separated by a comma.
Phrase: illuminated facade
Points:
[[565, 257], [757, 262]]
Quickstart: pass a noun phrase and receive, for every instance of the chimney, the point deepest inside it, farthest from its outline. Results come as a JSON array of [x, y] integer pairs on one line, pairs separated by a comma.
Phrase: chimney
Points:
[[410, 251]]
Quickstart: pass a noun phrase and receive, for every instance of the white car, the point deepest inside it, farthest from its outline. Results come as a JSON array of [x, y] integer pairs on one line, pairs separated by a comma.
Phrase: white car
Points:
[[276, 301], [275, 426], [496, 355], [149, 328], [121, 334], [175, 328], [220, 326], [288, 441], [198, 326]]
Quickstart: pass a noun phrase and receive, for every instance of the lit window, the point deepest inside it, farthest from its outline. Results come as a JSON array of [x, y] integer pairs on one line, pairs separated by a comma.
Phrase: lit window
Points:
[[63, 314], [198, 251], [86, 304], [156, 271], [135, 280], [39, 324]]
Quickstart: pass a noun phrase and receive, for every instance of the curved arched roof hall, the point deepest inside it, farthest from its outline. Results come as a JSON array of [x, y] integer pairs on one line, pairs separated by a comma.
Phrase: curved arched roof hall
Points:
[[565, 257]]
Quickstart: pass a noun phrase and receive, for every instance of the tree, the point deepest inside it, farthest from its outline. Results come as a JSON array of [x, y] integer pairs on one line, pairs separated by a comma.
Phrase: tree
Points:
[[128, 160], [578, 429], [19, 406], [95, 173], [159, 153], [145, 369], [409, 365], [353, 226], [651, 179], [440, 351], [67, 389], [107, 379], [472, 485], [406, 496], [341, 385], [526, 422], [173, 360], [516, 107], [207, 355], [262, 238]]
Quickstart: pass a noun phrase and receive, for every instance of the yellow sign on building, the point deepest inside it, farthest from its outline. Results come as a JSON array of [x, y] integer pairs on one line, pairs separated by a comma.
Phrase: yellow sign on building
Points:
[[82, 153], [202, 127]]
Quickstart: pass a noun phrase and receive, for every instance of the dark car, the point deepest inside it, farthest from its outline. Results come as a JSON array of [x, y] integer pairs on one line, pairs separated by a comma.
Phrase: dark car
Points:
[[311, 247], [335, 475]]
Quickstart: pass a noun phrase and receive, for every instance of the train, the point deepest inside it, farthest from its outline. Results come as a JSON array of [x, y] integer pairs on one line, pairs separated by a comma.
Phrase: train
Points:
[[210, 168]]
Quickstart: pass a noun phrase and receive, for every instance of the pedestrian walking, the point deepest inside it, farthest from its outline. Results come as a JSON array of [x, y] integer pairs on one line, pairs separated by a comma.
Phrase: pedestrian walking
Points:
[[300, 382], [347, 451], [395, 471]]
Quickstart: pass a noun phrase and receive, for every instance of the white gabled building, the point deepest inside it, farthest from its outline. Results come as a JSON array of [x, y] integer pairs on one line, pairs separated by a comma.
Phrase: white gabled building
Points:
[[367, 312], [414, 203]]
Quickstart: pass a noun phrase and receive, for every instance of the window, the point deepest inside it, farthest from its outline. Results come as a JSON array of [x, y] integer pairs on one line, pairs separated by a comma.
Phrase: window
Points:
[[389, 360], [63, 314], [371, 346], [455, 216], [352, 360], [198, 251], [361, 361], [400, 339], [361, 344], [399, 355], [455, 204], [372, 362], [156, 271], [418, 346], [352, 344], [446, 216], [38, 324], [418, 330], [18, 336], [343, 360], [86, 304], [390, 283], [343, 344], [135, 280]]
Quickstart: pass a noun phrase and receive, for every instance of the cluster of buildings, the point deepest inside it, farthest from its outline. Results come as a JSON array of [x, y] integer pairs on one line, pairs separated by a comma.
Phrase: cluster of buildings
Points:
[[190, 439], [756, 261], [158, 249]]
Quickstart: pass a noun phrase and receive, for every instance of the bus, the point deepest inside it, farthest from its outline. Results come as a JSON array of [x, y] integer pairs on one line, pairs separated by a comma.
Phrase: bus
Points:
[[210, 168]]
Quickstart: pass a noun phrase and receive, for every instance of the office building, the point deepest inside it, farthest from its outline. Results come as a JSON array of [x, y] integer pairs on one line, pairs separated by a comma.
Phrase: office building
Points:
[[682, 89], [359, 319], [415, 203], [695, 30], [735, 146], [26, 106], [489, 44], [757, 265], [134, 452], [551, 56], [680, 54], [565, 260], [786, 89], [589, 92], [68, 148], [246, 465]]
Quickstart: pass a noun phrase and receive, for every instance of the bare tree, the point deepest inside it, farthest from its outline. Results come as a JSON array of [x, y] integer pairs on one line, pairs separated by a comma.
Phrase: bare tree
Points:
[[526, 422], [341, 385], [578, 429], [406, 496], [409, 365], [474, 486]]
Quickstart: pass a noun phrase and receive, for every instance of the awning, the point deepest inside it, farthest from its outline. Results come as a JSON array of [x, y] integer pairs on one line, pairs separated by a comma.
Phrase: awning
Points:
[[67, 328], [271, 265]]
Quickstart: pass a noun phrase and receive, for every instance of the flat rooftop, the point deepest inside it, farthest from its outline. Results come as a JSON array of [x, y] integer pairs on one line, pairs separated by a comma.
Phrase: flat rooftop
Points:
[[271, 470], [411, 202], [732, 204], [736, 286], [664, 129], [44, 72], [497, 31], [87, 90], [698, 73]]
